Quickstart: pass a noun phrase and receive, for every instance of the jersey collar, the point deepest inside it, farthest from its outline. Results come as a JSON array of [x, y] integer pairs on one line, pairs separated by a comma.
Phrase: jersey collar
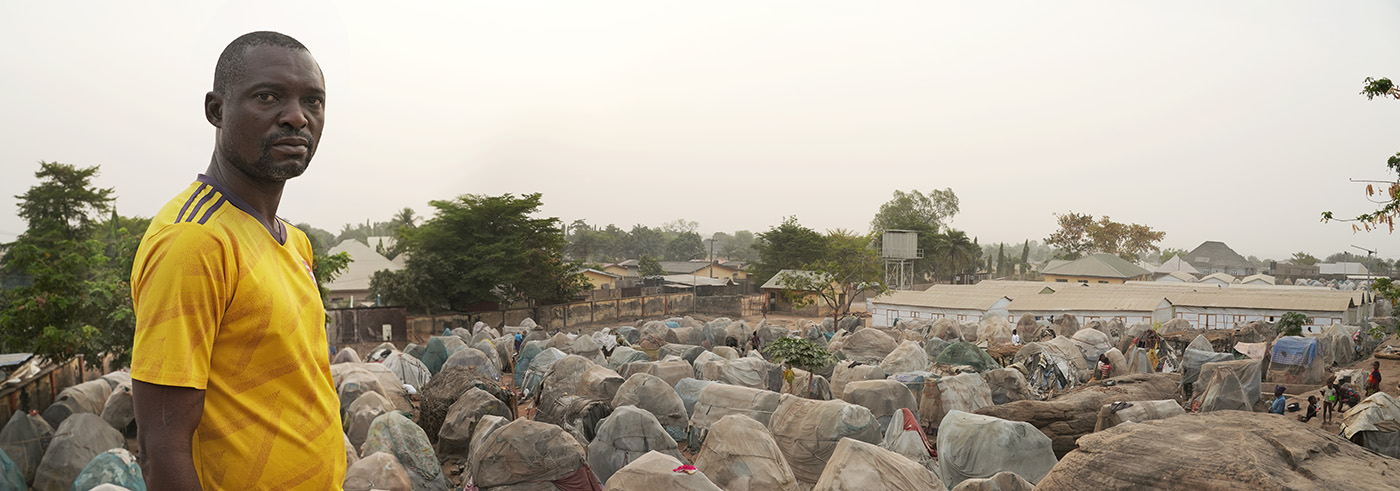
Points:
[[277, 230]]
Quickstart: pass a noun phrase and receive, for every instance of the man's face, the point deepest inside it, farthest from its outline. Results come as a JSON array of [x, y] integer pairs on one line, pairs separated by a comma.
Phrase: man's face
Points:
[[270, 119]]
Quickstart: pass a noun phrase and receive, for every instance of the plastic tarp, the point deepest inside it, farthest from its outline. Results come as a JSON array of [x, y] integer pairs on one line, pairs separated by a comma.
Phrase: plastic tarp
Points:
[[11, 477], [353, 382], [624, 436], [362, 413], [1300, 358], [1194, 359], [1117, 362], [80, 438], [655, 471], [745, 372], [1008, 385], [807, 431], [845, 374], [120, 409], [1252, 350], [740, 455], [884, 398], [906, 437], [1091, 342], [439, 348], [934, 346], [474, 359], [454, 437], [539, 367], [1229, 385], [116, 466], [408, 369], [687, 352], [630, 334], [964, 353], [907, 357], [805, 384], [346, 355], [719, 400], [377, 471], [1066, 349], [487, 425], [1002, 481], [1337, 346], [528, 351], [394, 434], [977, 446], [861, 466], [1201, 343], [689, 390], [1137, 412], [623, 355], [352, 454], [586, 347], [525, 451], [670, 371], [24, 439], [574, 376], [1377, 422], [87, 397], [1045, 369], [652, 394], [963, 392], [868, 346], [1139, 362]]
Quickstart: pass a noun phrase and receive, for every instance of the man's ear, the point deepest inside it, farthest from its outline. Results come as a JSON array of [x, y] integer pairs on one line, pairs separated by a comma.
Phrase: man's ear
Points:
[[214, 109]]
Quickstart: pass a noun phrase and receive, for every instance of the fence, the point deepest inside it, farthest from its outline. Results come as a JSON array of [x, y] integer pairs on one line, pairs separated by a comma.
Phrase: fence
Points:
[[38, 392], [620, 310], [366, 324]]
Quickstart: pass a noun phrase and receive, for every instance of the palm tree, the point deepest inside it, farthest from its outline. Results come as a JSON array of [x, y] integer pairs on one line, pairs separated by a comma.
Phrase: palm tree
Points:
[[961, 252], [405, 218]]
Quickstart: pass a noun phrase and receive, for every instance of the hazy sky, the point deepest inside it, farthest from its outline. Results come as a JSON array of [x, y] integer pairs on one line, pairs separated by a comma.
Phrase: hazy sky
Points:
[[1231, 121]]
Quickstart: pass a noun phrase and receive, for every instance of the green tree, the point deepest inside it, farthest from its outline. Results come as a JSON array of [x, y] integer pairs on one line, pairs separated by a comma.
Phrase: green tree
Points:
[[786, 246], [686, 246], [644, 241], [1168, 252], [1291, 324], [1001, 259], [738, 247], [1304, 258], [648, 266], [77, 300], [905, 211], [326, 267], [800, 353], [1388, 189], [1026, 256], [482, 249], [850, 266], [1080, 235]]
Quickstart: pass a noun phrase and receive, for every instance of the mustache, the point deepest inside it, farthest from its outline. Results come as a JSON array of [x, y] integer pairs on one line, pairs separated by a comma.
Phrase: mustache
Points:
[[287, 133]]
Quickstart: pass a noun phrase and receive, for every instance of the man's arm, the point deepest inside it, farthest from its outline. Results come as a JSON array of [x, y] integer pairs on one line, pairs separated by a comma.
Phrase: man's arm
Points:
[[167, 417]]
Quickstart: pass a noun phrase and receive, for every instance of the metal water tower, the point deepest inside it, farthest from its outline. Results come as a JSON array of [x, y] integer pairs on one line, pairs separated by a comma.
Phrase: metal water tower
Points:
[[900, 248]]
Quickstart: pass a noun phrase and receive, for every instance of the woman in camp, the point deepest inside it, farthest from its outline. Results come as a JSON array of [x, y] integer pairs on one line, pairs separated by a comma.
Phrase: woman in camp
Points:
[[1280, 402]]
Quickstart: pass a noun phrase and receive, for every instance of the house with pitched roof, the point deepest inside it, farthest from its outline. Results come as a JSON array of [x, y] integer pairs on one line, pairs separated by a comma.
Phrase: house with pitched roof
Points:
[[1095, 269], [351, 288], [1216, 257]]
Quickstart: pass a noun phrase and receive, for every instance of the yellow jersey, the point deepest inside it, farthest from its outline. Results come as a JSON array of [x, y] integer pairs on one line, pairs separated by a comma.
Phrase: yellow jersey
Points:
[[227, 305]]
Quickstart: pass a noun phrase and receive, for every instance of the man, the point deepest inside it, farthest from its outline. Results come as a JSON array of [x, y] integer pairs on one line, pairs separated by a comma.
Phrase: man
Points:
[[1279, 405], [231, 380]]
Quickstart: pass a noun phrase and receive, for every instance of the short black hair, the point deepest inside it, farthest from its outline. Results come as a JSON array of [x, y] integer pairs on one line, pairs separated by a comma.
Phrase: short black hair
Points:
[[231, 68]]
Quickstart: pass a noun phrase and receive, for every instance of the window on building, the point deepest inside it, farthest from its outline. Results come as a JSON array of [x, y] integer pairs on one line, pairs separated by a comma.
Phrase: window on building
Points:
[[1061, 280], [1103, 282], [1084, 281]]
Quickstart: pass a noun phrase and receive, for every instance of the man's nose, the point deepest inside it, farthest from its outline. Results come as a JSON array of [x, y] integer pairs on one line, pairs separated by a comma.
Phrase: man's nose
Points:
[[293, 115]]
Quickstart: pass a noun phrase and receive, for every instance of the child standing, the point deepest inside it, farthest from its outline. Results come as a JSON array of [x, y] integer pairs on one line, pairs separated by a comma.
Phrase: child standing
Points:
[[1329, 400]]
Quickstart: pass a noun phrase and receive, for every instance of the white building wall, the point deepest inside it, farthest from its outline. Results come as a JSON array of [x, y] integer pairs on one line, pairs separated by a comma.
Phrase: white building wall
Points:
[[1127, 317], [885, 314], [1230, 318]]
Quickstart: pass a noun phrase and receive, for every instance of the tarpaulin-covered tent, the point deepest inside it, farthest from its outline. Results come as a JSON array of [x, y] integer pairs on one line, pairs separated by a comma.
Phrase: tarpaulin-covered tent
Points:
[[411, 371], [1139, 361], [377, 471], [973, 445], [687, 352], [907, 357], [438, 349], [860, 466], [80, 438], [476, 360], [745, 372], [540, 365], [1297, 359], [116, 467], [352, 454], [906, 437], [964, 353], [24, 439], [120, 409], [1091, 342], [525, 451], [1116, 413], [689, 390], [1228, 385], [1046, 369], [844, 374], [1375, 424], [994, 330], [574, 376], [395, 434], [87, 397], [444, 389], [1337, 347], [740, 455], [1008, 385], [625, 435], [1193, 359], [671, 371], [527, 354], [623, 355], [656, 471], [806, 384], [454, 438], [884, 398], [934, 347], [361, 414], [963, 392], [652, 394], [868, 346], [1001, 481], [807, 431], [719, 400], [346, 355], [11, 477]]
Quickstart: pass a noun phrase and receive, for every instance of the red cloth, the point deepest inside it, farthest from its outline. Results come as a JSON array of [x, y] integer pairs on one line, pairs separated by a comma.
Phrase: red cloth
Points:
[[582, 479], [912, 424]]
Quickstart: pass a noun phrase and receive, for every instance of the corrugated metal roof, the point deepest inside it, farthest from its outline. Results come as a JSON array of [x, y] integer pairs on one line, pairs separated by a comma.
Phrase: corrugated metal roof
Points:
[[1121, 300], [9, 359], [776, 283], [1277, 300], [969, 300], [1098, 266], [1215, 254], [1176, 263], [364, 263], [1218, 276]]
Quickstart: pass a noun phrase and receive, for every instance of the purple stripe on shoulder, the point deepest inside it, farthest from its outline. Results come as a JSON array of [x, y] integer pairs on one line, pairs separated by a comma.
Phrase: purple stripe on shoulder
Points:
[[188, 201], [210, 213], [200, 204]]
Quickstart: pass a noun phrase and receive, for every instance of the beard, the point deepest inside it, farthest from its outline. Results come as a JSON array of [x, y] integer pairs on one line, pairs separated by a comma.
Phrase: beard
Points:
[[265, 168]]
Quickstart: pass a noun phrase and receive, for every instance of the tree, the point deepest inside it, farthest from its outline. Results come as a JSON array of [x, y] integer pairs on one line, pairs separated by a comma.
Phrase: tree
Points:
[[849, 267], [646, 242], [686, 246], [1291, 324], [738, 247], [1304, 258], [1026, 256], [1389, 189], [77, 299], [325, 267], [405, 218], [1168, 252], [649, 267], [1001, 259], [679, 226], [482, 249], [800, 353], [787, 246], [915, 210], [1080, 235]]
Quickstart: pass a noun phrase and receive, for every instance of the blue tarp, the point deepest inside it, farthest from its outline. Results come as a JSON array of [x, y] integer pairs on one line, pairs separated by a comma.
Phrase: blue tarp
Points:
[[1295, 350], [673, 324]]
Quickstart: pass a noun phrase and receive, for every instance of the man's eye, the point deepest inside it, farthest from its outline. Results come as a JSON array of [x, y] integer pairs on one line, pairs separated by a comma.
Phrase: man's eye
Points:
[[315, 101], [265, 97]]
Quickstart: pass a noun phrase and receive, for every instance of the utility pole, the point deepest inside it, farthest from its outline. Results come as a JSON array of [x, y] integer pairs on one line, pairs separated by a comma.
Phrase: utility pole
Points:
[[1370, 254]]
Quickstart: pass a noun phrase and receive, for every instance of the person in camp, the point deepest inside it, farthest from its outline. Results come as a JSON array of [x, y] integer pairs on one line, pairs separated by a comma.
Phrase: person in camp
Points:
[[1373, 383], [1015, 337], [1104, 369], [1280, 402], [756, 341], [230, 386], [1329, 400], [1312, 410]]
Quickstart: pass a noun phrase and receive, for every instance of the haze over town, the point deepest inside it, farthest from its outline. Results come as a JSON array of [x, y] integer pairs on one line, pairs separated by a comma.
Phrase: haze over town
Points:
[[1239, 122]]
